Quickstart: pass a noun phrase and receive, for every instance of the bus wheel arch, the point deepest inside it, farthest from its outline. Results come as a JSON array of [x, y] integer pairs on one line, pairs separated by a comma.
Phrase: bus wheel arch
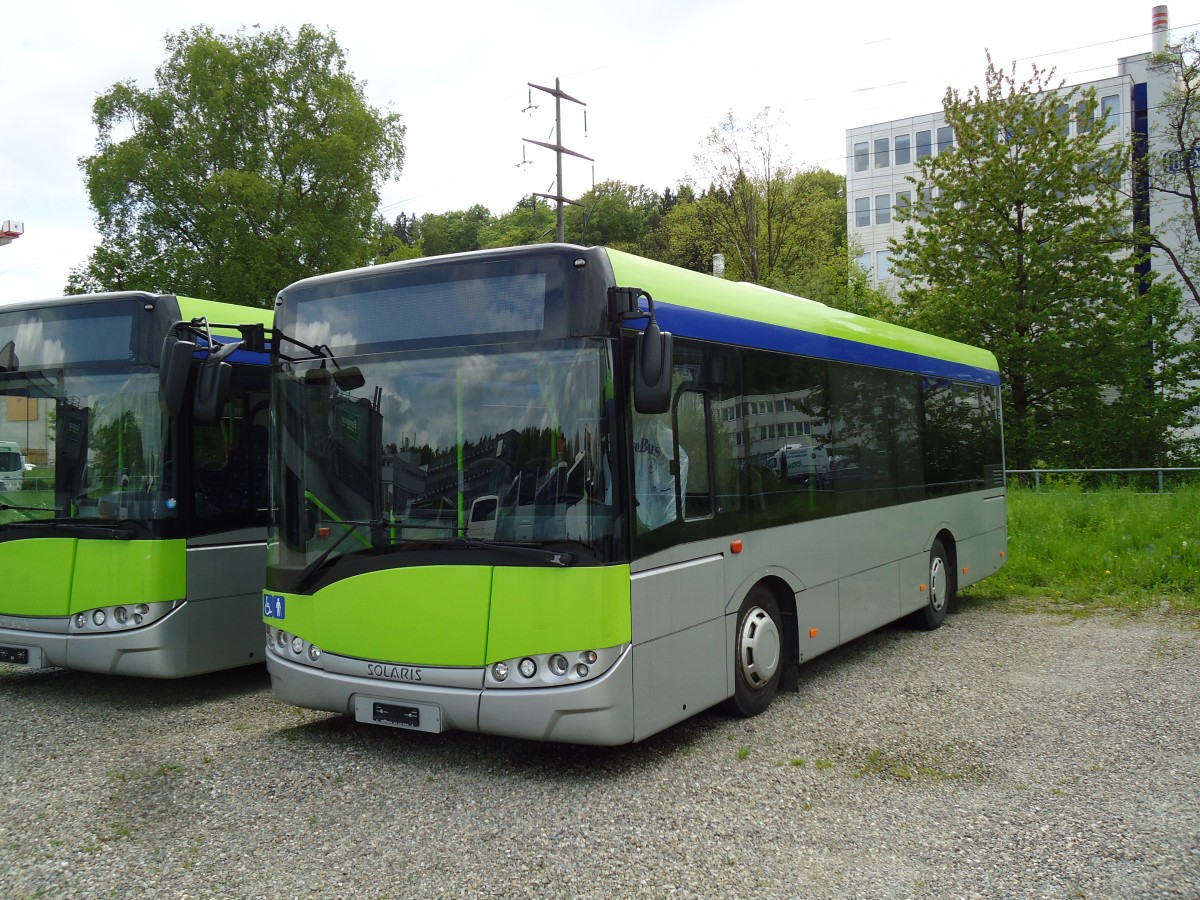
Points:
[[763, 647]]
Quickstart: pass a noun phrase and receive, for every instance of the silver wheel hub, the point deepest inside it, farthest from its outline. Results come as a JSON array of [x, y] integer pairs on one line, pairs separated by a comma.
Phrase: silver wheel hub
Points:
[[758, 648], [937, 583]]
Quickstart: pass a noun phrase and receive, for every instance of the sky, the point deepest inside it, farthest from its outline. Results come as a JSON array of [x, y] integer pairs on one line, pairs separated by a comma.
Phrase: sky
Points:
[[656, 77]]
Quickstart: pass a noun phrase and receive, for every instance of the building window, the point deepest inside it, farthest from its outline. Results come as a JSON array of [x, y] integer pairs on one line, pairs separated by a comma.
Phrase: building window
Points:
[[903, 149], [903, 203], [945, 136], [1110, 111], [924, 144], [862, 212], [863, 261], [883, 209], [1063, 114], [1084, 118], [883, 265], [881, 153], [860, 157]]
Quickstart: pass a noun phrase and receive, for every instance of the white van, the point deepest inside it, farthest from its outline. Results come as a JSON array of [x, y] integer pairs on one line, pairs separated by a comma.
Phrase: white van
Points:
[[12, 466]]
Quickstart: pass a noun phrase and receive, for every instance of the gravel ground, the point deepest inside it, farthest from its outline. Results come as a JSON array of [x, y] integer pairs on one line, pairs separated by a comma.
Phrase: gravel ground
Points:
[[1009, 754]]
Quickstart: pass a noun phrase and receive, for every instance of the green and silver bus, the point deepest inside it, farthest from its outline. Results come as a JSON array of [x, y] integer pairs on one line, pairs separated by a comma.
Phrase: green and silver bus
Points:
[[539, 492], [135, 544]]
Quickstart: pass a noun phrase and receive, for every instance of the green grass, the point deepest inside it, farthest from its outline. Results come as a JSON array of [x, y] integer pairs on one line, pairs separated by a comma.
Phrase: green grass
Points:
[[1110, 547]]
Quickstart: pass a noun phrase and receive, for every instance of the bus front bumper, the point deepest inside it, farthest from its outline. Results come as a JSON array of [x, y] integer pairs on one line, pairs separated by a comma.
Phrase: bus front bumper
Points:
[[599, 711]]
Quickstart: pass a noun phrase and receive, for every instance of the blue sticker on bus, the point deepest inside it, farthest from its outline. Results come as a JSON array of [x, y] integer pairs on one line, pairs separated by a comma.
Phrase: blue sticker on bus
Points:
[[273, 606]]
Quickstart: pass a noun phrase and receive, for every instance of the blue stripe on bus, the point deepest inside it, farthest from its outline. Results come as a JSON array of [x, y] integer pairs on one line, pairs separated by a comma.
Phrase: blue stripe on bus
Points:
[[708, 326]]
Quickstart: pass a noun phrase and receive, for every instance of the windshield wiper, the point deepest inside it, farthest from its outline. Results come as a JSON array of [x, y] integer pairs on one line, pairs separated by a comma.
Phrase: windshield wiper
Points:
[[562, 558], [7, 506], [113, 531], [313, 567]]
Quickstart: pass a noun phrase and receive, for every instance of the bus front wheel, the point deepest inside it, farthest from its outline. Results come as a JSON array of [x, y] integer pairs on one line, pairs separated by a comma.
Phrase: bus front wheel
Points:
[[758, 653], [941, 589]]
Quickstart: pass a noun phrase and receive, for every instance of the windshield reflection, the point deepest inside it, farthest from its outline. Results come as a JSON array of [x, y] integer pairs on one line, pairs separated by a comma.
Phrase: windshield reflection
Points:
[[478, 449], [92, 445]]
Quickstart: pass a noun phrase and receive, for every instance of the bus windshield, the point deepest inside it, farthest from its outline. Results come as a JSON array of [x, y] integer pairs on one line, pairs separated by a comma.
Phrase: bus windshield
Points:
[[94, 444], [491, 449]]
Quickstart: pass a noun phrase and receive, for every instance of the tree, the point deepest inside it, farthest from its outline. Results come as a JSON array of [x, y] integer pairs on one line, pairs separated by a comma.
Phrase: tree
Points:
[[1017, 243], [455, 231], [532, 221], [1174, 175], [755, 212], [613, 214], [255, 160]]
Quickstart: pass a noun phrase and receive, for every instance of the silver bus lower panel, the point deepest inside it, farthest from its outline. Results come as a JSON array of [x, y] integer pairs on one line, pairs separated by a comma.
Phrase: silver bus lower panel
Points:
[[195, 638], [595, 712]]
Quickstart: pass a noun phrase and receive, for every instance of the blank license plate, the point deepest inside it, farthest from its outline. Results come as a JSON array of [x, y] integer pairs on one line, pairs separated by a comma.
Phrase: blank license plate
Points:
[[398, 714], [21, 656]]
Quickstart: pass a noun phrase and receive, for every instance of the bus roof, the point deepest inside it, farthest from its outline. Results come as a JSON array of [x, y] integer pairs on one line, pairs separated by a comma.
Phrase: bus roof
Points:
[[702, 306]]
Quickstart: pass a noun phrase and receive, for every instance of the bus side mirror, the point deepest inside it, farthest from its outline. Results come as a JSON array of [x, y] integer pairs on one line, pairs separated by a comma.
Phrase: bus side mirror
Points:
[[173, 366], [652, 371], [212, 392]]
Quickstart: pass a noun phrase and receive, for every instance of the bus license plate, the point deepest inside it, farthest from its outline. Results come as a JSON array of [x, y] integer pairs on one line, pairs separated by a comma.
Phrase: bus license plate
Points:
[[413, 716], [21, 656]]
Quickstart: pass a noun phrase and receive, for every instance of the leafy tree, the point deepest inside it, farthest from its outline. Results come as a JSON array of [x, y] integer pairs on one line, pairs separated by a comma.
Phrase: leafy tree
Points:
[[255, 160], [1015, 244], [457, 231], [755, 210], [532, 221], [396, 241], [1175, 174], [613, 214]]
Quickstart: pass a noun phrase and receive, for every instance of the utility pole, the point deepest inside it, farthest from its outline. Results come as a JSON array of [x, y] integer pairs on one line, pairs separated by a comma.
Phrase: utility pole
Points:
[[558, 95]]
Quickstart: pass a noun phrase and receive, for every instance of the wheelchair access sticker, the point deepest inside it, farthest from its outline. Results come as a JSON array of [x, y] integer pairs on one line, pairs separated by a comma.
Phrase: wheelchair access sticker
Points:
[[273, 606]]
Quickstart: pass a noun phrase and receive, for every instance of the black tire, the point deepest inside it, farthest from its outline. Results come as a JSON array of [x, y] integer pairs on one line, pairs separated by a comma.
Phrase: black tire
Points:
[[758, 653], [942, 589]]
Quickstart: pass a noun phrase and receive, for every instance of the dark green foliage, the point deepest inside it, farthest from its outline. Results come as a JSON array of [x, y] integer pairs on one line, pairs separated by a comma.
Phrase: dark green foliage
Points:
[[253, 161], [1019, 243]]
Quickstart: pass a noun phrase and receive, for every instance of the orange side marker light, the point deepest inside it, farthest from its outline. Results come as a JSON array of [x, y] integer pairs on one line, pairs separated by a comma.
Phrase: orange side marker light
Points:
[[965, 570], [922, 589], [812, 632], [736, 546]]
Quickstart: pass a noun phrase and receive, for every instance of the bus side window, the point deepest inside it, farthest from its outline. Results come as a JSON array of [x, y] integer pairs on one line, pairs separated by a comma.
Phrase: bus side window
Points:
[[655, 467], [692, 429]]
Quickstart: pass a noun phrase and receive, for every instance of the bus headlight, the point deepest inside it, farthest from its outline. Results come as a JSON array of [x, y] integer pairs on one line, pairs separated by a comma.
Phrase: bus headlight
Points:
[[280, 642], [547, 670], [107, 619]]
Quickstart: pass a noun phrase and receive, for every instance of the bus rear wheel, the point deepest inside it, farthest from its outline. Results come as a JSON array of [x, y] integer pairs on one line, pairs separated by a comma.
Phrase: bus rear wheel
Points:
[[941, 589], [758, 653]]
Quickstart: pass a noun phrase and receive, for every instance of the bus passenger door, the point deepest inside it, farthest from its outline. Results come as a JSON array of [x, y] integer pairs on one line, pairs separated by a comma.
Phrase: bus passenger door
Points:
[[679, 605]]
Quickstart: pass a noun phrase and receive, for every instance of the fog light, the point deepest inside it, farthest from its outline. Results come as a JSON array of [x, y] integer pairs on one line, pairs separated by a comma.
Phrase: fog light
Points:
[[500, 671], [527, 668], [281, 639], [581, 670], [138, 618], [121, 614], [99, 618], [589, 657], [558, 664], [142, 609], [314, 652], [297, 645], [81, 621]]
